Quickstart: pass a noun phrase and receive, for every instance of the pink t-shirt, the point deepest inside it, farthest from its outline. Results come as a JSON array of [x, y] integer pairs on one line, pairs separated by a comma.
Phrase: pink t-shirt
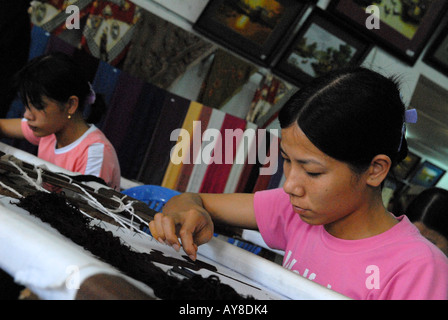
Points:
[[91, 154], [396, 264]]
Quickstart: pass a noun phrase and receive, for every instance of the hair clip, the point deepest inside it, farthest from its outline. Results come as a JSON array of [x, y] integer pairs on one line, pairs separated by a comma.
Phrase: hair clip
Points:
[[410, 116], [92, 96]]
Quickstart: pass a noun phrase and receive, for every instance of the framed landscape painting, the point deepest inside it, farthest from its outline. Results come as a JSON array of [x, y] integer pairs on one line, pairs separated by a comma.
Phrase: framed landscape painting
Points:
[[404, 26], [252, 29], [402, 170], [427, 175], [323, 43]]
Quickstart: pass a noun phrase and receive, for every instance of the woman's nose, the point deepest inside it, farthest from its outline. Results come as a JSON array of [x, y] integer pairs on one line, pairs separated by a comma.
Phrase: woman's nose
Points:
[[293, 185], [28, 115]]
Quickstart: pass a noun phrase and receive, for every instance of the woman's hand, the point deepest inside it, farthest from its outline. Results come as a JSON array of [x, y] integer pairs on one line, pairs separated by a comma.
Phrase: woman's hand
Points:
[[183, 216], [190, 216]]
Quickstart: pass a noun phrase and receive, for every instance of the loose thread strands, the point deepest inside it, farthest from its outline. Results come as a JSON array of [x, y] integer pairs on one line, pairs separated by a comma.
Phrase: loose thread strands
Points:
[[10, 189], [59, 213], [94, 203], [36, 184], [22, 168], [128, 207], [109, 212]]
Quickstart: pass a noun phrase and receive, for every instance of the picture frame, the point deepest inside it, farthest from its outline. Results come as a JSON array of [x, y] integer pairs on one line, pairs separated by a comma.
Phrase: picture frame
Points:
[[437, 54], [252, 32], [427, 175], [323, 43], [402, 170], [404, 26]]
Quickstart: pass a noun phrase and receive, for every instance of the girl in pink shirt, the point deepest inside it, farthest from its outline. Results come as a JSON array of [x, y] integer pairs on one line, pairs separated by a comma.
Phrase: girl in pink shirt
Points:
[[55, 91], [341, 134]]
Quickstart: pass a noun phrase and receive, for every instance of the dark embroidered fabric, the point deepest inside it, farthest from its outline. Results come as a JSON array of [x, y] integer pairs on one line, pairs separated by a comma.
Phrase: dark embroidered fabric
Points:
[[65, 217], [161, 52], [225, 78]]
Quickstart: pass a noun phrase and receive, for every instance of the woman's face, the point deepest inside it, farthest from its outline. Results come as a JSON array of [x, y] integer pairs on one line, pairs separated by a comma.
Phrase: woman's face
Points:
[[322, 190], [51, 119]]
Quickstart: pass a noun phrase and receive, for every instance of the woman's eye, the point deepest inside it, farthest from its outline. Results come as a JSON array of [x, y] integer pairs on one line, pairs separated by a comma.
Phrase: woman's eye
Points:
[[285, 158], [313, 174]]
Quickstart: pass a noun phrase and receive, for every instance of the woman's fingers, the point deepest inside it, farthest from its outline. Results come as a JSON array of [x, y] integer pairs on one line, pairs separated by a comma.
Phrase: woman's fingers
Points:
[[156, 229], [186, 236], [198, 229], [163, 228], [169, 230]]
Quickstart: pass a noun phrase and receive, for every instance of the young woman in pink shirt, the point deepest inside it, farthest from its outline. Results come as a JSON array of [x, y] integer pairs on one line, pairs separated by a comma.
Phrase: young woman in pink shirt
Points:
[[341, 134], [55, 92]]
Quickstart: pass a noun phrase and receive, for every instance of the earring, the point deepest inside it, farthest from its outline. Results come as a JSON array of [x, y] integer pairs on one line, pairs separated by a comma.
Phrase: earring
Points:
[[69, 116]]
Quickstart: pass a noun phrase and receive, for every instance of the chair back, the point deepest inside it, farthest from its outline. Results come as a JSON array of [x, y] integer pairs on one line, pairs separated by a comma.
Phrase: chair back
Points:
[[154, 196]]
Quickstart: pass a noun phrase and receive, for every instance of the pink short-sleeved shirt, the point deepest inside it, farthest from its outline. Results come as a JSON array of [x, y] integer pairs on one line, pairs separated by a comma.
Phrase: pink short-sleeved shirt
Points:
[[91, 154], [397, 264]]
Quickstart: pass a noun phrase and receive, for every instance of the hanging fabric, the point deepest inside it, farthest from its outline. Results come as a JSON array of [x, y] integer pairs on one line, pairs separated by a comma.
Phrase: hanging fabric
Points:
[[52, 17], [226, 76], [109, 29], [161, 52], [270, 90]]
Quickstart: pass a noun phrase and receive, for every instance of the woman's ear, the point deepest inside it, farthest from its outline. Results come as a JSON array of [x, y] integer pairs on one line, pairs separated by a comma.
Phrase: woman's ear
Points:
[[72, 104], [378, 170]]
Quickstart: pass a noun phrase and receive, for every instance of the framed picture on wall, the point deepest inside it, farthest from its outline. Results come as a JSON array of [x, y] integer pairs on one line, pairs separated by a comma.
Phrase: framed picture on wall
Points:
[[402, 170], [322, 44], [437, 54], [252, 29], [404, 27], [427, 175]]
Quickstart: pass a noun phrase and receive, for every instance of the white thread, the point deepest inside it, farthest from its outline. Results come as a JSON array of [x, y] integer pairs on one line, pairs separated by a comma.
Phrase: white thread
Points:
[[27, 178], [97, 205], [11, 189], [70, 180], [92, 201], [126, 207], [39, 176]]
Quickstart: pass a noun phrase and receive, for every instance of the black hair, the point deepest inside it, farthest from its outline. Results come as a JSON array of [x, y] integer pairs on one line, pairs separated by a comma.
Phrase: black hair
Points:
[[57, 76], [352, 115], [431, 208]]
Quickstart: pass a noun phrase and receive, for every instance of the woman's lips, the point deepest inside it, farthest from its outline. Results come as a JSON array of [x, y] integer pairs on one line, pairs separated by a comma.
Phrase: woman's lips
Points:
[[32, 128], [299, 210]]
